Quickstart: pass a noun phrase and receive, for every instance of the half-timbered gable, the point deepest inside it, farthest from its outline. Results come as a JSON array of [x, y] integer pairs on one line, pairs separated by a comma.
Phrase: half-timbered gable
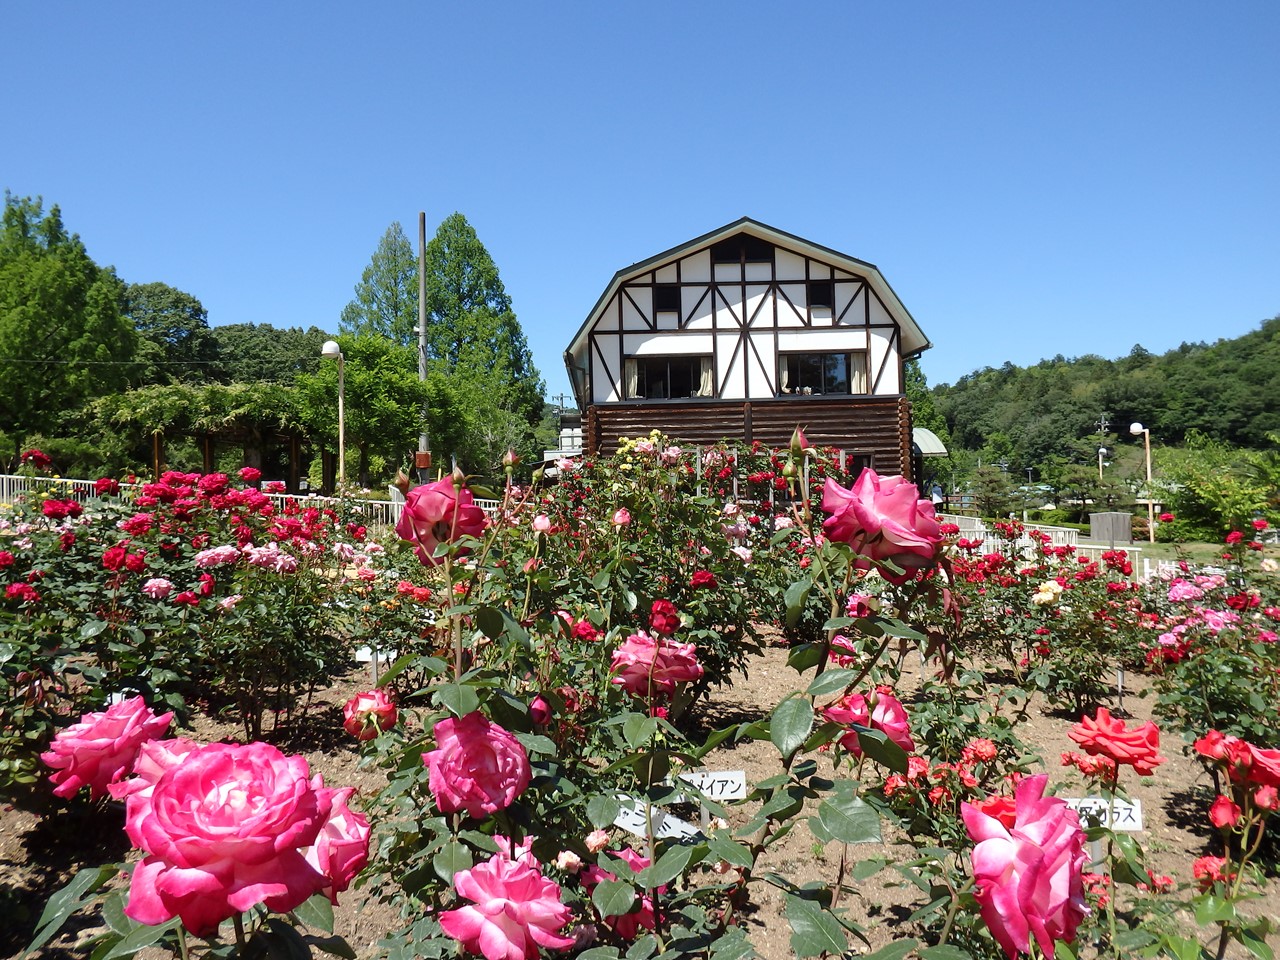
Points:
[[745, 333]]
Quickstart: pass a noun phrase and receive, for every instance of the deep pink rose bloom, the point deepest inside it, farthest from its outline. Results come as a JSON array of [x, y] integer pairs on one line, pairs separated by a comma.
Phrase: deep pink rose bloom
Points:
[[516, 910], [365, 714], [102, 747], [883, 519], [1029, 874], [626, 925], [477, 766], [222, 826], [883, 712], [437, 513], [645, 665], [250, 474], [341, 849]]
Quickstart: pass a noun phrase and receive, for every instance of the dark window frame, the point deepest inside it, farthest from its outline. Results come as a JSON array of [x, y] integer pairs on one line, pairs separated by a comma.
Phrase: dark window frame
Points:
[[795, 388], [822, 293], [643, 372]]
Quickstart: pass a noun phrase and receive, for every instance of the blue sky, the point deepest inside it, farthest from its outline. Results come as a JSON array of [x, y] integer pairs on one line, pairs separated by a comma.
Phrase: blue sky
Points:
[[1032, 178]]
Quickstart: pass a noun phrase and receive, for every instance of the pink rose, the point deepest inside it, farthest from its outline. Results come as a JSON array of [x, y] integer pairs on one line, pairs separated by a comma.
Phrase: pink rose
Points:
[[437, 513], [222, 827], [621, 517], [542, 523], [250, 474], [626, 925], [102, 747], [883, 712], [1029, 874], [477, 766], [885, 521], [157, 588], [516, 910], [365, 714], [645, 665], [341, 849]]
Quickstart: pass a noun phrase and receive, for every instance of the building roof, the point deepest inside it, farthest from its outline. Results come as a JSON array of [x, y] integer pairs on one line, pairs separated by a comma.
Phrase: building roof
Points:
[[929, 443], [914, 340]]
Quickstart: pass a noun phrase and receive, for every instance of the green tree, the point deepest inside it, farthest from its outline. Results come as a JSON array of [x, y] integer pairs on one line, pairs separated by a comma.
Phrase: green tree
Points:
[[252, 352], [383, 400], [386, 301], [474, 338], [173, 328], [63, 338]]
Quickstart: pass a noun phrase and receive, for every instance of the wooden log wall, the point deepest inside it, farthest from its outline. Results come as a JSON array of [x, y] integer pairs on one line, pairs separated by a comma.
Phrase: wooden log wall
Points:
[[879, 427]]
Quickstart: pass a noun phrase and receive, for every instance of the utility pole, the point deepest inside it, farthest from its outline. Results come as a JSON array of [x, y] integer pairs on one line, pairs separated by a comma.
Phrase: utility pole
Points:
[[423, 459]]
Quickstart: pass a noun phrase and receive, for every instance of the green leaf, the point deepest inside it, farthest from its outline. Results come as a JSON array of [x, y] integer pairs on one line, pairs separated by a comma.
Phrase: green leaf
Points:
[[142, 937], [945, 951], [317, 913], [92, 629], [1211, 908], [600, 953], [830, 682], [849, 820], [814, 931], [804, 655], [795, 598], [877, 745], [458, 699], [602, 810], [489, 620], [669, 866], [643, 948], [792, 720], [865, 869], [334, 946], [638, 730], [735, 854], [892, 951], [282, 941], [78, 893], [613, 898], [452, 858]]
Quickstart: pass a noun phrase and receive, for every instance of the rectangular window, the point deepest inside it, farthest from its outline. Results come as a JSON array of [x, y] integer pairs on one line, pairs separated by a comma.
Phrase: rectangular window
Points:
[[666, 298], [822, 293], [668, 378], [817, 374], [743, 248]]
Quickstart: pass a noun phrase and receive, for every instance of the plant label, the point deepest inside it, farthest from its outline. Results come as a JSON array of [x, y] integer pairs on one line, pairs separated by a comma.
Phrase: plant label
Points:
[[718, 784], [1125, 816], [631, 818]]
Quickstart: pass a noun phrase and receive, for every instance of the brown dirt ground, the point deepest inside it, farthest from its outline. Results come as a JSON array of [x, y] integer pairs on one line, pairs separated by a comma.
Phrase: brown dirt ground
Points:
[[43, 841]]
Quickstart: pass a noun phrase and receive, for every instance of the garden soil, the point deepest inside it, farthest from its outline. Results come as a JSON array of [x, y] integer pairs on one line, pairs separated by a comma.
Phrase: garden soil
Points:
[[43, 841]]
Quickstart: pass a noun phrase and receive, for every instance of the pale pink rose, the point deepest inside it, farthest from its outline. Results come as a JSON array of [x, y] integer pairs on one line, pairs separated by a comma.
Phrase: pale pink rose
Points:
[[568, 861], [437, 513], [157, 588], [670, 456], [542, 523], [102, 748], [645, 665], [884, 520], [621, 517], [229, 602], [477, 766], [516, 911], [646, 447], [365, 714], [597, 840], [366, 574], [1181, 590], [341, 849], [742, 553], [217, 556], [1029, 874], [221, 830]]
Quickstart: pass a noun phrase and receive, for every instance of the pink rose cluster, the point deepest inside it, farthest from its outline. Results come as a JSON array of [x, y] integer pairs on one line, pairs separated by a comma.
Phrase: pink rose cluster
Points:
[[367, 714], [885, 521], [882, 711], [477, 766], [225, 827], [437, 513], [1028, 865], [101, 749], [647, 665], [514, 909]]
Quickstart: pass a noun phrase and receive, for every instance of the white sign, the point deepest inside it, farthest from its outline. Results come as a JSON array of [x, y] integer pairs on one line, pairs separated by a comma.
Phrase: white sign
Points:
[[1126, 816], [718, 784], [631, 818]]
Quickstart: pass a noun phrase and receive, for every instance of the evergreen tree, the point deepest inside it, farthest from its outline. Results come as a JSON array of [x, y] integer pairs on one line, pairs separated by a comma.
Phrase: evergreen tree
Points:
[[173, 328], [386, 301]]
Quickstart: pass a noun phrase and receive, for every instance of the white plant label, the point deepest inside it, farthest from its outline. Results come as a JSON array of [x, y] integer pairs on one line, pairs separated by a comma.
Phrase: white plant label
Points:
[[631, 818], [1126, 816], [718, 784]]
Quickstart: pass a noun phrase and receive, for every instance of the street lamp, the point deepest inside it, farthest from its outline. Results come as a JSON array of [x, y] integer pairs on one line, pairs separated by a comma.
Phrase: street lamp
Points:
[[1138, 429], [1102, 452], [331, 349]]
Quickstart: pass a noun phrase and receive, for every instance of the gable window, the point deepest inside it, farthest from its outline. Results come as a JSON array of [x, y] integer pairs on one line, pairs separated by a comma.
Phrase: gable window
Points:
[[666, 298], [668, 378], [822, 293], [743, 248], [814, 374]]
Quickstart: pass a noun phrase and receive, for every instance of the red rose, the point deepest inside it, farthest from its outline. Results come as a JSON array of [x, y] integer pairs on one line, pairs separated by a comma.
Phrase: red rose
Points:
[[663, 618], [1104, 736], [703, 578], [1224, 813]]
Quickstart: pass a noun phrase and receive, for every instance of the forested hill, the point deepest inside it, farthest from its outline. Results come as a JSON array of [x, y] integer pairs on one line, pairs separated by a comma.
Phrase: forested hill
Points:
[[1228, 390]]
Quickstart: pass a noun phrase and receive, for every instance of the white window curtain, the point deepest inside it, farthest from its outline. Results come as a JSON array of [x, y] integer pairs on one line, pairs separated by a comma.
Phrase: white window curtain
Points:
[[631, 374], [707, 377], [857, 373], [784, 377]]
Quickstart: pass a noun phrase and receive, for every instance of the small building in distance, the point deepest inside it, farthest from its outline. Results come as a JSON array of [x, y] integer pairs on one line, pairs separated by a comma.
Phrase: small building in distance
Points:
[[744, 334]]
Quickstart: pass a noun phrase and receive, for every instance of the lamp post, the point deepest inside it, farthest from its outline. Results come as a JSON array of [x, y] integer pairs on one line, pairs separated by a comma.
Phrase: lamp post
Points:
[[1102, 452], [331, 349], [1138, 429]]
